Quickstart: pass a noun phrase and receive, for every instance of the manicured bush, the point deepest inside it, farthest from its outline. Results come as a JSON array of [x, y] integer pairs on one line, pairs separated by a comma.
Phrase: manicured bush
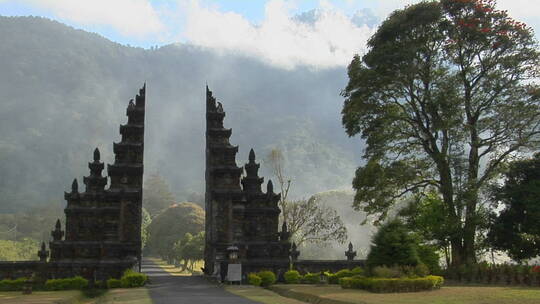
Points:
[[292, 277], [267, 278], [133, 279], [114, 283], [392, 284], [12, 285], [66, 283], [254, 279], [312, 278], [358, 271]]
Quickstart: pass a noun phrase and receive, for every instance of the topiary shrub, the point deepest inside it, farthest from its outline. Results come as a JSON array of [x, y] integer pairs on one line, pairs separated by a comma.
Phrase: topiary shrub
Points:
[[267, 278], [292, 277], [132, 278], [312, 278], [254, 279], [12, 285], [358, 271], [77, 282], [114, 283]]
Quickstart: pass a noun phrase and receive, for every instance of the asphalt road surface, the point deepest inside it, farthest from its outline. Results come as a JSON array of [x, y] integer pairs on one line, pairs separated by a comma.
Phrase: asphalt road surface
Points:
[[165, 288]]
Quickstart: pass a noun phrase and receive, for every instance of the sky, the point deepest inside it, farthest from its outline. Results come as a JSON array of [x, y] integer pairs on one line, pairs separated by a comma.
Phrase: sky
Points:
[[321, 34]]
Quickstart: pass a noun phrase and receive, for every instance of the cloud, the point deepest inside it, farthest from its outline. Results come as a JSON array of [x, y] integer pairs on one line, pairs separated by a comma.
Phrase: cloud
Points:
[[134, 18], [329, 41]]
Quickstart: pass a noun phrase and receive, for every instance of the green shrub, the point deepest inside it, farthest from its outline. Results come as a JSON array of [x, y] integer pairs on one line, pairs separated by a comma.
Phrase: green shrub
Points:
[[344, 273], [114, 283], [133, 279], [358, 271], [333, 279], [12, 285], [393, 244], [312, 278], [267, 278], [77, 282], [386, 272], [292, 277], [392, 284], [254, 279], [421, 270]]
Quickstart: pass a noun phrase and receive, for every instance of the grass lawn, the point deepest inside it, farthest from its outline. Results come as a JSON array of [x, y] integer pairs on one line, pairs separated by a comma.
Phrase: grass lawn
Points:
[[260, 295], [42, 297], [125, 296], [117, 296], [446, 295]]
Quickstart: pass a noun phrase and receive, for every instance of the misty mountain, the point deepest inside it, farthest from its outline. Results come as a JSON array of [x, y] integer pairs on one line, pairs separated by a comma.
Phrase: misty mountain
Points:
[[64, 91]]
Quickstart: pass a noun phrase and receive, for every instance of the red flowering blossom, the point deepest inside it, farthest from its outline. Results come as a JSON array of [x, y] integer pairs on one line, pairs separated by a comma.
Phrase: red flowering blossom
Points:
[[536, 269]]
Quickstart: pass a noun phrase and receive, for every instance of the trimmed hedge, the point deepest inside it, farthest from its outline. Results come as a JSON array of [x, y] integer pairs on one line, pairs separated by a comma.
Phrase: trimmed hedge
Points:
[[12, 285], [312, 278], [292, 277], [380, 285], [77, 282], [133, 279], [254, 279], [267, 278], [114, 283]]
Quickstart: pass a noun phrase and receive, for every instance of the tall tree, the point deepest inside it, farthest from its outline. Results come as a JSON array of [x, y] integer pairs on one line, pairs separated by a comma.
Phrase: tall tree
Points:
[[444, 97], [516, 229], [276, 161], [307, 220], [310, 222], [157, 195]]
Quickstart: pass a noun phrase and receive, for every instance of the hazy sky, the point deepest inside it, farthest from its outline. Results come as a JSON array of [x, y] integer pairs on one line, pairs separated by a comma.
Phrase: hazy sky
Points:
[[260, 28]]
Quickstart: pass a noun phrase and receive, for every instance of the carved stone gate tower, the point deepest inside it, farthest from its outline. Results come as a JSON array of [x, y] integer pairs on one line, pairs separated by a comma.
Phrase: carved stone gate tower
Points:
[[237, 211]]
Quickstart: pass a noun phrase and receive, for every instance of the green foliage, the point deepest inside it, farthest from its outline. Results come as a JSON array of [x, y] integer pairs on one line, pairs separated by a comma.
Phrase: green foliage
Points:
[[386, 272], [66, 283], [516, 229], [292, 277], [172, 223], [393, 245], [12, 285], [132, 278], [430, 257], [267, 278], [114, 283], [421, 270], [25, 249], [311, 278], [380, 285], [358, 270], [190, 249], [254, 279], [444, 87]]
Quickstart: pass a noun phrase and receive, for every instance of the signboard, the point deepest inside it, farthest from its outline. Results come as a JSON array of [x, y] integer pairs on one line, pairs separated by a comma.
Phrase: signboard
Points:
[[234, 273]]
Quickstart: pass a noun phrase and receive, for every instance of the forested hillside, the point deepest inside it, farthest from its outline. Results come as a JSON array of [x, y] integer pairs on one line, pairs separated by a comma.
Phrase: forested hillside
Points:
[[64, 91]]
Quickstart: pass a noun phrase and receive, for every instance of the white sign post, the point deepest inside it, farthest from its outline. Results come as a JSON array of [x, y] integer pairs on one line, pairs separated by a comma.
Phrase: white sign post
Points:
[[234, 273]]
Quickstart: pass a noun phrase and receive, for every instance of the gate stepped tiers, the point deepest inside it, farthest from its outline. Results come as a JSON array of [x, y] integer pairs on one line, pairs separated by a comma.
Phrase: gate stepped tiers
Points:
[[238, 213], [102, 227], [103, 236]]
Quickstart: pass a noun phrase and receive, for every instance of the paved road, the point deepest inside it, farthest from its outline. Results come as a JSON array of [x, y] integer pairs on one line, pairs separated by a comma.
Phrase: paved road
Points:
[[168, 289]]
